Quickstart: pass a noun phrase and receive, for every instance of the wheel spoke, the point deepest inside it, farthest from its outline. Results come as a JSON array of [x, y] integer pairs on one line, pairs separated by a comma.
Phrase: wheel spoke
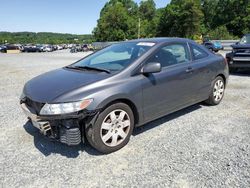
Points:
[[218, 97], [221, 84], [106, 126], [216, 85], [122, 133], [107, 136], [126, 123], [121, 115], [114, 139], [112, 116]]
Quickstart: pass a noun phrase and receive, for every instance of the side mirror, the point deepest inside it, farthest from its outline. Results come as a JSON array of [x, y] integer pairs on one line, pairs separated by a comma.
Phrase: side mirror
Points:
[[151, 68]]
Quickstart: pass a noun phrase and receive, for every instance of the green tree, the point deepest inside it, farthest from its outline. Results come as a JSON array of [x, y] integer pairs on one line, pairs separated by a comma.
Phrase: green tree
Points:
[[181, 18], [117, 21], [246, 21], [209, 10], [41, 38], [233, 14], [147, 10], [220, 32], [147, 14]]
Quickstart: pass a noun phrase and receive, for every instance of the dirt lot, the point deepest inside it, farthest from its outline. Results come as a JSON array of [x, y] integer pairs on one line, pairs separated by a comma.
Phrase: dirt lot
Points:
[[199, 146]]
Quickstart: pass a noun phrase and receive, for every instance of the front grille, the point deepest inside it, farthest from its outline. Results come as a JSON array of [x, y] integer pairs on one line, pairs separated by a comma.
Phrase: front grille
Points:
[[71, 136], [242, 52], [37, 106]]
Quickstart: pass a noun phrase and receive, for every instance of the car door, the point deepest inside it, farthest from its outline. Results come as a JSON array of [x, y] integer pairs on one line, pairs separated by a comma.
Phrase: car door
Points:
[[170, 89], [201, 64]]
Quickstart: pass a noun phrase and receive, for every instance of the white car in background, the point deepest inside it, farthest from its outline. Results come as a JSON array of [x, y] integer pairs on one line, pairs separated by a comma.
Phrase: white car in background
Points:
[[59, 47], [48, 48]]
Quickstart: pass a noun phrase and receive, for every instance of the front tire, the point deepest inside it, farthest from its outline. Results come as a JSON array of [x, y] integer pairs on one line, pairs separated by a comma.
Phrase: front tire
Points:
[[217, 91], [112, 129]]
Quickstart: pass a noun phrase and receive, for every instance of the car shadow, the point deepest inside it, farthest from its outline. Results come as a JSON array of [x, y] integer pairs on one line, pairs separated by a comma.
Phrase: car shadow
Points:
[[48, 147], [167, 118]]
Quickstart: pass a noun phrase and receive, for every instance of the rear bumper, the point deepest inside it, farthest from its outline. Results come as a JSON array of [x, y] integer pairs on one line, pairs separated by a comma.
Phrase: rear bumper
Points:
[[66, 129]]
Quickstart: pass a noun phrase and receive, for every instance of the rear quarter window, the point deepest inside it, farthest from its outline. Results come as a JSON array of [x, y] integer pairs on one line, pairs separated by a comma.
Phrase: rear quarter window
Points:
[[198, 53], [180, 51]]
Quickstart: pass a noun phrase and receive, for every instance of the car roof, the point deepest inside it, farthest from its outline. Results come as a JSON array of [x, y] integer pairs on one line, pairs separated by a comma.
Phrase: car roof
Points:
[[162, 40]]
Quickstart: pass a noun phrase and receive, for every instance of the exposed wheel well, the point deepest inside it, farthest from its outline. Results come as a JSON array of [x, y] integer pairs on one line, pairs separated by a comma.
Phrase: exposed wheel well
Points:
[[221, 75], [130, 104], [224, 78]]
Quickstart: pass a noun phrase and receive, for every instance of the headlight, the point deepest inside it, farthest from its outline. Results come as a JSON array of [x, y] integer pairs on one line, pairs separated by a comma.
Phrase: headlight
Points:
[[65, 108]]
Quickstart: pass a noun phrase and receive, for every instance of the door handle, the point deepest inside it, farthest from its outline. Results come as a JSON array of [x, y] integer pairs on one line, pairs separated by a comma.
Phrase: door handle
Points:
[[189, 70]]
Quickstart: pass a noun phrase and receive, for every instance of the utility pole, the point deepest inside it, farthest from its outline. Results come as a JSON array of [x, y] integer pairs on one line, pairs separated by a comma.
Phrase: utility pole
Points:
[[139, 28]]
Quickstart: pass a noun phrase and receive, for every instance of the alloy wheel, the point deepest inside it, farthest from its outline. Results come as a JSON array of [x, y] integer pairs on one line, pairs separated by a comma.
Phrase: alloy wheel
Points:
[[218, 91], [115, 128]]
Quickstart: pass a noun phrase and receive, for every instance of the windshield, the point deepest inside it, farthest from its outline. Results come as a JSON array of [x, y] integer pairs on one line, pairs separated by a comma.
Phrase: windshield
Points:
[[115, 57], [245, 39]]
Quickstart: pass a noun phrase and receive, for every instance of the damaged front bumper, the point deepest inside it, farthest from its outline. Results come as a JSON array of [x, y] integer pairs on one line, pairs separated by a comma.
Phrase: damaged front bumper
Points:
[[67, 129]]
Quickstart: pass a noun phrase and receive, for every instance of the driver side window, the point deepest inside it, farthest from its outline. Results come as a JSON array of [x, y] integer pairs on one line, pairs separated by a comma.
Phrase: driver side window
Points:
[[171, 55]]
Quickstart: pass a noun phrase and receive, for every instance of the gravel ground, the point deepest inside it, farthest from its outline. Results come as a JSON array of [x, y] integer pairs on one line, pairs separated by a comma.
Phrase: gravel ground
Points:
[[199, 146]]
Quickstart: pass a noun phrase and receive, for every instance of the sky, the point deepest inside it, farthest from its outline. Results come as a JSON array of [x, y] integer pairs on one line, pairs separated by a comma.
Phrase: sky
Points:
[[62, 16]]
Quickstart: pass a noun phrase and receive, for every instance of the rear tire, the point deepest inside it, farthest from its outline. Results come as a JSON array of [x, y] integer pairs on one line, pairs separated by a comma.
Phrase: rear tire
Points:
[[112, 129], [217, 91]]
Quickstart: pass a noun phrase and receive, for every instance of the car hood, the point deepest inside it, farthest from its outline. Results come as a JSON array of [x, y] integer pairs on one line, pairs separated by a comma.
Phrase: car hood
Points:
[[47, 87], [240, 46]]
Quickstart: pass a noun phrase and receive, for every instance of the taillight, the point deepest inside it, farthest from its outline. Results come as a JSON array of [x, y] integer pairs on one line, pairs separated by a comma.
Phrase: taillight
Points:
[[226, 60]]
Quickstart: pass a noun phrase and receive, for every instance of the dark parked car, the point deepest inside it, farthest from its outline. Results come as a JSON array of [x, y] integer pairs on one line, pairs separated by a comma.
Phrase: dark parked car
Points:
[[3, 48], [85, 48], [240, 55], [76, 48], [31, 48], [104, 96], [11, 47], [213, 46], [73, 49], [40, 47]]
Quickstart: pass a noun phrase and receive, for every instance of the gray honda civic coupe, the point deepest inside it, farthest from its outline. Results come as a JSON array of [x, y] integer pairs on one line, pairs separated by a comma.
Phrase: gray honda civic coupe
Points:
[[104, 96]]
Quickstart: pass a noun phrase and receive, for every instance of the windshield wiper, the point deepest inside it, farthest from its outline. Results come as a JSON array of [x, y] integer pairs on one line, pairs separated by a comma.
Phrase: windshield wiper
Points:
[[89, 68]]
